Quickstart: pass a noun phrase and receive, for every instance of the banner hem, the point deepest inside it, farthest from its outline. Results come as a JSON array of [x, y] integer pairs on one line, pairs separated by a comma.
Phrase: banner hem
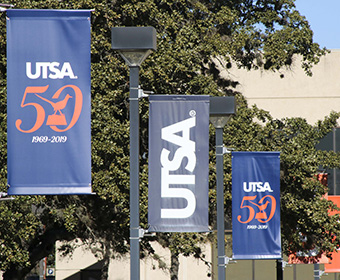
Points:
[[49, 190], [258, 257], [176, 229]]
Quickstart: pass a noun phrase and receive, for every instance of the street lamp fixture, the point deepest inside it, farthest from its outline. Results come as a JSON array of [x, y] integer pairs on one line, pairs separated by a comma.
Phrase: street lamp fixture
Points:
[[134, 44], [221, 110]]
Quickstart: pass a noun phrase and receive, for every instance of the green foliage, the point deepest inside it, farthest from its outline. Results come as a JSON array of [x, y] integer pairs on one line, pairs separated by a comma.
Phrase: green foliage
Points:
[[19, 225], [192, 36]]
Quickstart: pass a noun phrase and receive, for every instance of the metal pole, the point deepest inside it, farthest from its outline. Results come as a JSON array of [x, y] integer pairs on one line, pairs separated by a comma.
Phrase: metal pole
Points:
[[41, 269], [220, 204], [253, 269], [279, 270], [134, 174], [316, 271]]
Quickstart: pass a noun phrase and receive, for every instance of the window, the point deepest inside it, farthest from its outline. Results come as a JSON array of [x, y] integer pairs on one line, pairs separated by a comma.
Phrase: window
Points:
[[331, 142]]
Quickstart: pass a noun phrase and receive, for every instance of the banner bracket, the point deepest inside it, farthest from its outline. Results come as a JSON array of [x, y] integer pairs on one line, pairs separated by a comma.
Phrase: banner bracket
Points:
[[145, 232], [4, 196], [285, 264], [221, 150], [140, 93], [227, 150], [4, 7], [225, 261], [143, 93], [319, 273], [140, 233]]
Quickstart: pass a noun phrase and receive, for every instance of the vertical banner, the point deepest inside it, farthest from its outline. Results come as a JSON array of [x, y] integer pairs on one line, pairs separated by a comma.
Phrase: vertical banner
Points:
[[256, 205], [178, 163], [48, 102]]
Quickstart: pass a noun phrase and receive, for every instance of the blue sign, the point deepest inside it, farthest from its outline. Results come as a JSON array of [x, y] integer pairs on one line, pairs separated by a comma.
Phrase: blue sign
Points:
[[178, 163], [48, 102], [256, 205]]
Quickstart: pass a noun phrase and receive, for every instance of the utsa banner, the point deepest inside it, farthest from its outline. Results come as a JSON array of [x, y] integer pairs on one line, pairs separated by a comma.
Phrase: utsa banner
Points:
[[48, 102], [256, 205], [178, 163]]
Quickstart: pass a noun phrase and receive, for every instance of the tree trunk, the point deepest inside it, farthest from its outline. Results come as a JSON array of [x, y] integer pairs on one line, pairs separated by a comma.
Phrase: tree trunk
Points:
[[15, 274], [105, 268], [39, 248], [174, 266]]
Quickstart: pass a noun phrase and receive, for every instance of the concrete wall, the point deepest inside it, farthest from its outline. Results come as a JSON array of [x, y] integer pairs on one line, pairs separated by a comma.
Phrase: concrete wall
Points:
[[82, 259], [296, 94]]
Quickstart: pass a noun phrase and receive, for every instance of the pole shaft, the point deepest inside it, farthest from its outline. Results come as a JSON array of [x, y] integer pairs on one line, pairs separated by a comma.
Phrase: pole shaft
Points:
[[253, 269], [220, 204], [316, 271], [134, 174], [279, 270]]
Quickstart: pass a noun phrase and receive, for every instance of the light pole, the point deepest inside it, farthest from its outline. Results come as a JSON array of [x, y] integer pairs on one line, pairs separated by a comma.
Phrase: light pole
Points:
[[134, 44], [221, 109], [279, 269]]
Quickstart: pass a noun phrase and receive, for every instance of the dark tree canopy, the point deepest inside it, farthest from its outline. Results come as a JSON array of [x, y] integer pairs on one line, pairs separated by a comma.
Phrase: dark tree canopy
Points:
[[192, 35]]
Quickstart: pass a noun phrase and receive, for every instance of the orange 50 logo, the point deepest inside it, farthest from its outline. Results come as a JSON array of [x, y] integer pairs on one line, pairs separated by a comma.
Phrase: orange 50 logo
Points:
[[58, 104], [262, 210]]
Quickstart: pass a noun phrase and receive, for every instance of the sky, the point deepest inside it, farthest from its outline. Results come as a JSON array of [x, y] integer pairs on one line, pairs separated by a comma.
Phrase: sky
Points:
[[324, 19]]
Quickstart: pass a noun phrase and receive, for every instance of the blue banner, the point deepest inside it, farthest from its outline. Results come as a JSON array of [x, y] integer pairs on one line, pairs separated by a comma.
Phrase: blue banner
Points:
[[48, 102], [256, 205], [178, 163]]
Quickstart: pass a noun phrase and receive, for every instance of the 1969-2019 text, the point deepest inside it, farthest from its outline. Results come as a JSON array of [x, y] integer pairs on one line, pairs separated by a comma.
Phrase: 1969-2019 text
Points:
[[47, 139]]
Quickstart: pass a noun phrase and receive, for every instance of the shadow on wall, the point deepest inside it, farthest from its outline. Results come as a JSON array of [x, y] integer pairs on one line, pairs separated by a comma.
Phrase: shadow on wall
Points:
[[92, 272]]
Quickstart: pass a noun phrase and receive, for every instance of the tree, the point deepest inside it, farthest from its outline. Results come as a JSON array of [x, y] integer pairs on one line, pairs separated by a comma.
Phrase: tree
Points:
[[192, 36]]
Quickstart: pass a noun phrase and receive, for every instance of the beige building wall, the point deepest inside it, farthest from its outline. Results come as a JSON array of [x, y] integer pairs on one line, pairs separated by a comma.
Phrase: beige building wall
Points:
[[296, 94], [119, 269]]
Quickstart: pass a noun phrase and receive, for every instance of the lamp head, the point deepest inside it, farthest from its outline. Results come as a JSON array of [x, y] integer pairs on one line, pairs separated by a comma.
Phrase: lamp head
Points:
[[134, 44], [221, 110]]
